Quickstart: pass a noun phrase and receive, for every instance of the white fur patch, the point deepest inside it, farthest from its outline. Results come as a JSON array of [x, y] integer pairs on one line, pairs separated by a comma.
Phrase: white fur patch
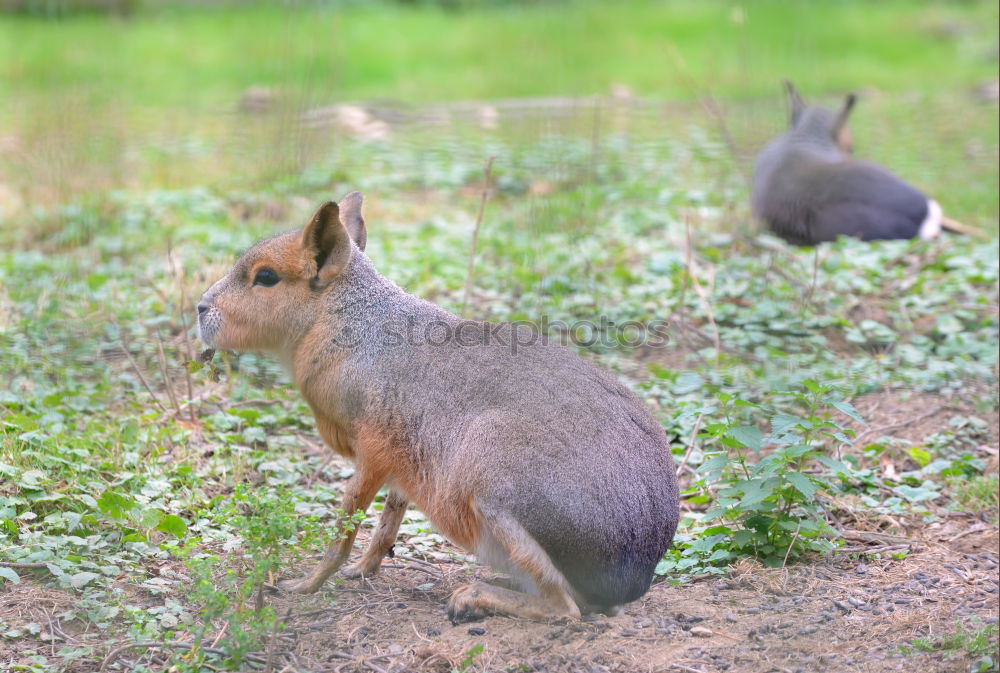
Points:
[[931, 226]]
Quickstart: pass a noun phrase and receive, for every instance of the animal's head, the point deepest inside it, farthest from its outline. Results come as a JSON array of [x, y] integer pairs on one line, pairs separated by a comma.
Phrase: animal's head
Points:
[[268, 300], [819, 123]]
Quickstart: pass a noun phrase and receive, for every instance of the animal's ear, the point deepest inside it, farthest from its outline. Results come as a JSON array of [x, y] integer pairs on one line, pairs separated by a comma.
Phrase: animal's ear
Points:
[[350, 216], [326, 243], [845, 112], [795, 103]]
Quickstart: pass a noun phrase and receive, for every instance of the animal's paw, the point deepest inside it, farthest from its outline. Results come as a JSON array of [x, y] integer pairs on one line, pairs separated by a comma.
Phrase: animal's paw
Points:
[[304, 585], [467, 605], [360, 569]]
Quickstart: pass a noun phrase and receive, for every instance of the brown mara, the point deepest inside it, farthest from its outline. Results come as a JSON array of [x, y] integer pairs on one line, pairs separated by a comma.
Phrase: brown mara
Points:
[[542, 465]]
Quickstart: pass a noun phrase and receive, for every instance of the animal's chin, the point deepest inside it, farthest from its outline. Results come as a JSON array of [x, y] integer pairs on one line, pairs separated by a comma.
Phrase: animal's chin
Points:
[[216, 338], [206, 334]]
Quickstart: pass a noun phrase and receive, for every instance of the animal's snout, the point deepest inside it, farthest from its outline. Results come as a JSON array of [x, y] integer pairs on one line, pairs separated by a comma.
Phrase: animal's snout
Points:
[[208, 322]]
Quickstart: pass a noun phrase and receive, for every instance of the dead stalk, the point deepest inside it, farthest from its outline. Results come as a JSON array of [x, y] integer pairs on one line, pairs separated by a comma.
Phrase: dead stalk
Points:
[[190, 353], [166, 375], [708, 103], [184, 331], [145, 384], [475, 232], [788, 551], [690, 446], [812, 286], [700, 291]]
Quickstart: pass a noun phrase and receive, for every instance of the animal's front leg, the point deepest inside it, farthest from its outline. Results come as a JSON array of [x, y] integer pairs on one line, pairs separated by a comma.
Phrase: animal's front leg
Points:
[[383, 538], [358, 494]]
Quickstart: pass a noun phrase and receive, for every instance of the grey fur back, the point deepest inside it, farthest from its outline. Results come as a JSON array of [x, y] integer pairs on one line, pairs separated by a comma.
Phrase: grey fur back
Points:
[[539, 432]]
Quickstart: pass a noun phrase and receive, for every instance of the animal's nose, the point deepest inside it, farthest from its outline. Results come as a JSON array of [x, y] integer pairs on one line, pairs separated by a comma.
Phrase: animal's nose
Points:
[[202, 307]]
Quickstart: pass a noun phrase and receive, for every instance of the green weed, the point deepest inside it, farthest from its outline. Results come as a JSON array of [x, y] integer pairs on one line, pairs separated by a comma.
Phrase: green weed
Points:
[[977, 643]]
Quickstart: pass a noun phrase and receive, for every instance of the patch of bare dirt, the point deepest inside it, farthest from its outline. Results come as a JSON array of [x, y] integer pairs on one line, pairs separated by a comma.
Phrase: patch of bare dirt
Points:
[[913, 416], [836, 615], [839, 614]]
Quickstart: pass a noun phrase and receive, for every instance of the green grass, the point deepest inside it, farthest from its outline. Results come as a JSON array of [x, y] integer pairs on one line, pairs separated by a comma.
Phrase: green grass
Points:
[[978, 642], [92, 103], [103, 479], [978, 494], [195, 57]]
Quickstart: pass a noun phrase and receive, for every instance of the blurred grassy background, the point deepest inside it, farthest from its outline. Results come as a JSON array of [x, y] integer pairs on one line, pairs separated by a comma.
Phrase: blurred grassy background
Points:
[[204, 57], [148, 94]]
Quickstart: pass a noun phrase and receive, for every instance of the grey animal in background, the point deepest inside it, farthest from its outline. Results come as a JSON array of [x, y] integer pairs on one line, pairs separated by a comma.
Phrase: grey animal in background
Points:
[[808, 189]]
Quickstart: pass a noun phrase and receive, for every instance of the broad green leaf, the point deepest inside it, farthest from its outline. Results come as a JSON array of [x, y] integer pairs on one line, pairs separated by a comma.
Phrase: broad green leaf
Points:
[[768, 466], [920, 493], [783, 423], [172, 525], [115, 504], [922, 457], [837, 466], [812, 386], [759, 523], [948, 324], [754, 496], [748, 435], [811, 526], [32, 479], [88, 500], [846, 408], [716, 530], [151, 518], [694, 412], [713, 463], [9, 575], [687, 383], [802, 484], [80, 580], [843, 438], [793, 452]]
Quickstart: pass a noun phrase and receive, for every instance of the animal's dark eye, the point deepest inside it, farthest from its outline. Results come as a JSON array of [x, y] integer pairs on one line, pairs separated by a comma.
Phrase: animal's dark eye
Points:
[[266, 277]]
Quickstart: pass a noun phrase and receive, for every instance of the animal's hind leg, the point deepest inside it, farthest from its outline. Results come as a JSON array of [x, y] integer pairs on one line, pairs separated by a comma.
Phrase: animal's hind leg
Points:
[[477, 600], [526, 557]]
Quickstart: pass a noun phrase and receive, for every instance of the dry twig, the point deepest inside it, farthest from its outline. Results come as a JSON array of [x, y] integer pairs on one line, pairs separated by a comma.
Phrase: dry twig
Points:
[[142, 378], [475, 232], [701, 293], [164, 371], [690, 446]]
